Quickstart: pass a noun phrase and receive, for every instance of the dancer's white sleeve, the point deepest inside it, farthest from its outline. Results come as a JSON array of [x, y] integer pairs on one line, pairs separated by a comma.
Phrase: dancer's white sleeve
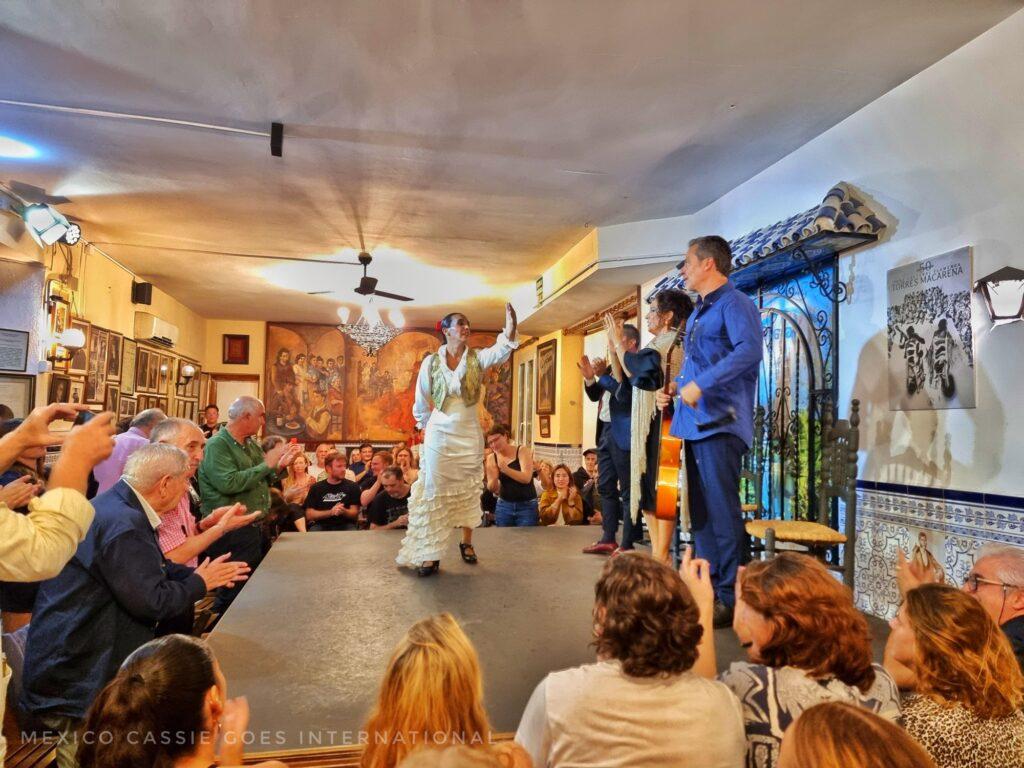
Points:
[[422, 406], [498, 353]]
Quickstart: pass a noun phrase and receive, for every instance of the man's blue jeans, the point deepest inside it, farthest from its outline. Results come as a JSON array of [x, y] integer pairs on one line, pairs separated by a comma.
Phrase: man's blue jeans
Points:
[[508, 514]]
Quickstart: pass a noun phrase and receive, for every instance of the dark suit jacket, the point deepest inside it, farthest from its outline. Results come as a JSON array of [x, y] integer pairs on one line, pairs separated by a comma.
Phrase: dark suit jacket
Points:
[[620, 406], [101, 607]]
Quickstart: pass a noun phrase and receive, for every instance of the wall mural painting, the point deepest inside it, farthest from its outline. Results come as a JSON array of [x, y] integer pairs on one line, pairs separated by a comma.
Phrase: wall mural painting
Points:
[[322, 386], [931, 349]]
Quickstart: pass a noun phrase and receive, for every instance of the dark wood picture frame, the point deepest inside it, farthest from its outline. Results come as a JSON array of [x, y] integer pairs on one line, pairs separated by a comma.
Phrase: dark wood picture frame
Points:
[[545, 426], [236, 349], [127, 408], [547, 373], [22, 397], [76, 391], [112, 397], [129, 366], [60, 389], [115, 350]]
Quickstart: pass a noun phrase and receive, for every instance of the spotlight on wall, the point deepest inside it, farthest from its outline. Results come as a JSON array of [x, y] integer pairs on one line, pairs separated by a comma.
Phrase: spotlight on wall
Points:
[[1003, 292], [397, 318], [73, 235], [46, 224], [344, 313]]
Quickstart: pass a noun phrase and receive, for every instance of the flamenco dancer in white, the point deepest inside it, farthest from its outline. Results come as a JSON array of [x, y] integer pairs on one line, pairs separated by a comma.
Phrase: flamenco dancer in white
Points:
[[446, 495]]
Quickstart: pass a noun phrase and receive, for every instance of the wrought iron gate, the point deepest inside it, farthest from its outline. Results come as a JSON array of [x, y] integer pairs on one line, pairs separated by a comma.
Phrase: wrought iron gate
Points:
[[797, 383]]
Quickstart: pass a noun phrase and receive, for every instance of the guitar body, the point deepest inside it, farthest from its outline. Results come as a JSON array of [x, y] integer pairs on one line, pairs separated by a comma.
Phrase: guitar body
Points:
[[669, 462]]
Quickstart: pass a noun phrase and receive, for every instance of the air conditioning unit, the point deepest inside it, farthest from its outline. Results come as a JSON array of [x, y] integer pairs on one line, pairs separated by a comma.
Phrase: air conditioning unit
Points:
[[152, 329]]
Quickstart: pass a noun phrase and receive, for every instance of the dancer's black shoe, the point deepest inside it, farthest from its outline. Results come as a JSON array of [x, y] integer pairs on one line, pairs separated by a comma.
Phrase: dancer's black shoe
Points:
[[428, 569], [469, 557]]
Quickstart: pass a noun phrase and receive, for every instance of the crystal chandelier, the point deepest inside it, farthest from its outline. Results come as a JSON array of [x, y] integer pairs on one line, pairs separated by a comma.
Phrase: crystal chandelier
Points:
[[370, 337]]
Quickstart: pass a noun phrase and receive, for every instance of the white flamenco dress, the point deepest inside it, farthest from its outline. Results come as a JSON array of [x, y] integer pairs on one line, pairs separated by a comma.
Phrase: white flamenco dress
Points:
[[446, 495]]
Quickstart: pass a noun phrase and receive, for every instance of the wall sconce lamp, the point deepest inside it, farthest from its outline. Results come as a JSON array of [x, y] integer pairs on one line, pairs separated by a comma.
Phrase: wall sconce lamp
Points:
[[186, 373], [1003, 292], [66, 344]]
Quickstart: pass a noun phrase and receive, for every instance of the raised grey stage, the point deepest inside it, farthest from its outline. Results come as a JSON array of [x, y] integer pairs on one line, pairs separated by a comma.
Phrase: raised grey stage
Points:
[[309, 637]]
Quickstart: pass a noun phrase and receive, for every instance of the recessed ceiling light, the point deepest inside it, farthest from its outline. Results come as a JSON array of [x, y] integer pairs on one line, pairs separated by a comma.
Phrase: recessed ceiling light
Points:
[[16, 149]]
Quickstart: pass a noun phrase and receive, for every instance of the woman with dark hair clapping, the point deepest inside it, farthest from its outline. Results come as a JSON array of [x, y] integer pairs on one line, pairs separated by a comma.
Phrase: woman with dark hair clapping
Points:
[[962, 686], [166, 708], [563, 504]]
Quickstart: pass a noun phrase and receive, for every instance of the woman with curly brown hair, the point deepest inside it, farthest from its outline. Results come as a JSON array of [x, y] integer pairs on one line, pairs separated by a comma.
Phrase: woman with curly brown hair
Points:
[[835, 735], [963, 688], [641, 703], [807, 644]]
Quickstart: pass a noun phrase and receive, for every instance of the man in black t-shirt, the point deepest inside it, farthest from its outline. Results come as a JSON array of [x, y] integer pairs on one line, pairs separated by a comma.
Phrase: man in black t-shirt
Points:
[[390, 507], [333, 504]]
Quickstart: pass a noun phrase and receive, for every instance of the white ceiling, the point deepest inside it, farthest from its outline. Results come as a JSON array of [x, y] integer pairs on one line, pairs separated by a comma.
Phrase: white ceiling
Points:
[[468, 143]]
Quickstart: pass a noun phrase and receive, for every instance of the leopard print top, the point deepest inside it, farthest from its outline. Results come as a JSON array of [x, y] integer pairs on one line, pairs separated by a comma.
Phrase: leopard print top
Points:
[[956, 738]]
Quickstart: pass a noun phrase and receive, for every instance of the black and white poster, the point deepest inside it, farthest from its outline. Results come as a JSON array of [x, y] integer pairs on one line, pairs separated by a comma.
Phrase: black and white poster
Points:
[[931, 348]]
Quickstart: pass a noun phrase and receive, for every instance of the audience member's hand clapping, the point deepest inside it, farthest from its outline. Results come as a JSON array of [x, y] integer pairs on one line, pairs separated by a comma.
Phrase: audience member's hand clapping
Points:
[[600, 366], [19, 492], [235, 518], [696, 574], [221, 572], [586, 367]]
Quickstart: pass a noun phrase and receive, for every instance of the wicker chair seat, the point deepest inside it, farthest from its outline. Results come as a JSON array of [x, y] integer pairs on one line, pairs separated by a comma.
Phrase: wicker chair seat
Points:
[[799, 531]]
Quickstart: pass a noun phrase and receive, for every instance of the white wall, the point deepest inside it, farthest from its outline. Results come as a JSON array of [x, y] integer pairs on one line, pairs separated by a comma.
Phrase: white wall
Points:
[[942, 158]]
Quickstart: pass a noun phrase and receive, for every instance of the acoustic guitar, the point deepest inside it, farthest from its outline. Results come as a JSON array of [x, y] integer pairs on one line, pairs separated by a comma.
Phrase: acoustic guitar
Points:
[[671, 480]]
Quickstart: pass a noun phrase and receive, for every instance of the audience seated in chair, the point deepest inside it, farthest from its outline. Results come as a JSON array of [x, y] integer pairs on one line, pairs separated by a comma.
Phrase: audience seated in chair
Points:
[[996, 581], [641, 703], [107, 600], [37, 546], [563, 504], [837, 735], [962, 686], [370, 483], [167, 706], [807, 644], [390, 509], [333, 504], [431, 695], [19, 484]]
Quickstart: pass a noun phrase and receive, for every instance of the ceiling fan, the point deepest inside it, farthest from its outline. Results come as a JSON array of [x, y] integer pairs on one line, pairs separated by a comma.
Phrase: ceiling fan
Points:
[[367, 285]]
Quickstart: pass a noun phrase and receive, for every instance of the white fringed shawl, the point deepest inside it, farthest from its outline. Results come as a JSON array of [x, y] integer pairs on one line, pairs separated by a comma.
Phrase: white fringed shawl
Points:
[[642, 415]]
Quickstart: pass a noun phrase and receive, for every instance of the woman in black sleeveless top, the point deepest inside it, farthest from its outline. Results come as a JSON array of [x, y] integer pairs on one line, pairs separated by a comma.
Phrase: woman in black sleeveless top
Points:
[[510, 477]]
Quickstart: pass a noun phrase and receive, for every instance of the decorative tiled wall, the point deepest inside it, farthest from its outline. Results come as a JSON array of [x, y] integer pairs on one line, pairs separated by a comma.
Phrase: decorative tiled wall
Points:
[[955, 524]]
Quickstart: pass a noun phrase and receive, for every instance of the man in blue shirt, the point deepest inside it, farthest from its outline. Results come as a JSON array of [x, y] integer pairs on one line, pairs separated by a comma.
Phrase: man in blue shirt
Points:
[[715, 412]]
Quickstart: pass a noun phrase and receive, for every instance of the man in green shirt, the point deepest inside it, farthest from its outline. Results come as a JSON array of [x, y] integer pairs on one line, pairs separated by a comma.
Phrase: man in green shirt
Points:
[[235, 470]]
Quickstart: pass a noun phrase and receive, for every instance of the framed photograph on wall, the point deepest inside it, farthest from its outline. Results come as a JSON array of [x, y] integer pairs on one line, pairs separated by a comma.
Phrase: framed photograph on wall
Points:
[[153, 372], [78, 365], [60, 389], [545, 426], [17, 392], [127, 408], [13, 350], [111, 398], [161, 403], [236, 349], [76, 391], [547, 368], [114, 345], [129, 354]]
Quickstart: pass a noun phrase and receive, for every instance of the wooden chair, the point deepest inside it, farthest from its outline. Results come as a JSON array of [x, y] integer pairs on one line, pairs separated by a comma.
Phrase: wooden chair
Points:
[[34, 753], [838, 480]]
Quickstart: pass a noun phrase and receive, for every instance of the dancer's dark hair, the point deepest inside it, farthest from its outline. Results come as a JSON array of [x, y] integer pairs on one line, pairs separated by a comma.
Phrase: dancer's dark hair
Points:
[[674, 301], [152, 712], [447, 322]]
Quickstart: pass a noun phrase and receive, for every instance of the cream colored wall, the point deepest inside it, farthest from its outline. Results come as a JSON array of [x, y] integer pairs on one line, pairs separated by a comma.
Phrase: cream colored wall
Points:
[[104, 299], [567, 420], [256, 330], [578, 257]]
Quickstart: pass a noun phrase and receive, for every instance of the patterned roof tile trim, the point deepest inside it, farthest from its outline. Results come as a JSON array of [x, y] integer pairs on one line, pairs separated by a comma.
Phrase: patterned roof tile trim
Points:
[[840, 211]]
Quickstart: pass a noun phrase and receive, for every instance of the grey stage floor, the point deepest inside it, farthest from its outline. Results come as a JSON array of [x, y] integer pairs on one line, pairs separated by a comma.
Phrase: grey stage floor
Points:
[[309, 637]]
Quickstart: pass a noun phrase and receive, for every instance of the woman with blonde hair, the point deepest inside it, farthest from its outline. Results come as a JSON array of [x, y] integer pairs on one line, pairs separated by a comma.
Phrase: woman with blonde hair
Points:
[[837, 735], [963, 689], [807, 644], [431, 695]]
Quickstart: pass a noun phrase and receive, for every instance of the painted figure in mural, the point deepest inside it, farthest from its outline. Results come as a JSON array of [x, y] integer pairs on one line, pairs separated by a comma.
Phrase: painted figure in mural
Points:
[[940, 356], [284, 405], [300, 369], [913, 353], [447, 493]]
